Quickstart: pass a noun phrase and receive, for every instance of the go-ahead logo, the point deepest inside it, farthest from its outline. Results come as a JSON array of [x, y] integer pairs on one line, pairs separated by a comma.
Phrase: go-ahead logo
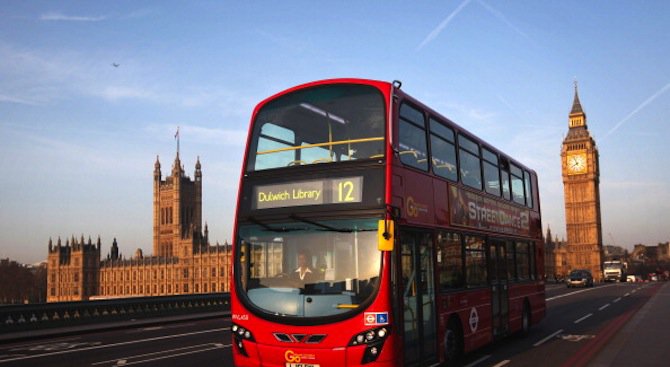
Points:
[[293, 357], [414, 209]]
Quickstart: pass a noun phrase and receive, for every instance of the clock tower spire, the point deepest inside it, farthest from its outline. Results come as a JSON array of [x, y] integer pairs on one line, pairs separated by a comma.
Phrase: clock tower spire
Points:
[[581, 180], [577, 116]]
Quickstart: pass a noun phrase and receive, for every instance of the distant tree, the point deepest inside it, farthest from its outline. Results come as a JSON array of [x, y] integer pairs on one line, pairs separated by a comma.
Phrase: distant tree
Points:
[[39, 284], [21, 284]]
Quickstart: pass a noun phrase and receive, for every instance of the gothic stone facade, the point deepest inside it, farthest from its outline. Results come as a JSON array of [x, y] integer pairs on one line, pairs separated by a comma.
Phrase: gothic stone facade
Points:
[[581, 179], [183, 263], [555, 258]]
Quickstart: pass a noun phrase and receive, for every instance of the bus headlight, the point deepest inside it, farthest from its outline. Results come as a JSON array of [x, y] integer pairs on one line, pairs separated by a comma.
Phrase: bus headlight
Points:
[[369, 336], [373, 339], [240, 334]]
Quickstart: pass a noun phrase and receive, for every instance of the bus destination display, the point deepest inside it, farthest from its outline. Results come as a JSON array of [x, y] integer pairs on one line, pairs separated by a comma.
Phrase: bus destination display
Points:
[[343, 190]]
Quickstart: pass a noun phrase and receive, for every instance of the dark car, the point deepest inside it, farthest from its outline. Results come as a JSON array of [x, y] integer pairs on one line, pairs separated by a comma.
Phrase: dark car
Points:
[[579, 278]]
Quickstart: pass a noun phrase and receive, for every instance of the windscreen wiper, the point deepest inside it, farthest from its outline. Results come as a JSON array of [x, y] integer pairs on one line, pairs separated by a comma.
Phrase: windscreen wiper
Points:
[[327, 227], [320, 225], [270, 228]]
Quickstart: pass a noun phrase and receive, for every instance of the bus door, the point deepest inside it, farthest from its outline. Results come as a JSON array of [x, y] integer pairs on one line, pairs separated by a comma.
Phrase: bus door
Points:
[[418, 297], [499, 286]]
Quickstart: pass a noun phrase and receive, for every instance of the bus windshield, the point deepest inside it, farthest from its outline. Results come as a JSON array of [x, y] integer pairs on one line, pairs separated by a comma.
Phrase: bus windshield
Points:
[[306, 268], [323, 124]]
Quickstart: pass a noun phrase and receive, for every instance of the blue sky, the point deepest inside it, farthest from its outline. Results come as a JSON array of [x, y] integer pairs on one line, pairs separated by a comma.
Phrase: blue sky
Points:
[[79, 137]]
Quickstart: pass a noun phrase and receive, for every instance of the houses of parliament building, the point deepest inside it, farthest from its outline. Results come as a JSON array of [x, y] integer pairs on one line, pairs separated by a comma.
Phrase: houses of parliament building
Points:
[[183, 260]]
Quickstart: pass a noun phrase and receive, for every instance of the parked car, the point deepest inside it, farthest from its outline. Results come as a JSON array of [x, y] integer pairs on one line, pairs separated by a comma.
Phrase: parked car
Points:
[[579, 278]]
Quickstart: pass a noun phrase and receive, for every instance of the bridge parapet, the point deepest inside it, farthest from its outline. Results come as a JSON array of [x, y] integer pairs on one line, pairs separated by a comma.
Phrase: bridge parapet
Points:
[[14, 318]]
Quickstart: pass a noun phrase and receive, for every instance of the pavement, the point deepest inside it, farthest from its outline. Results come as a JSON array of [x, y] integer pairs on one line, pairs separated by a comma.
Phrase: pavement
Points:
[[644, 340]]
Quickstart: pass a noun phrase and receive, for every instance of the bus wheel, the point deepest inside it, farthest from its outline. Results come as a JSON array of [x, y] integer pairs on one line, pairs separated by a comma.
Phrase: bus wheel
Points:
[[525, 319], [453, 341]]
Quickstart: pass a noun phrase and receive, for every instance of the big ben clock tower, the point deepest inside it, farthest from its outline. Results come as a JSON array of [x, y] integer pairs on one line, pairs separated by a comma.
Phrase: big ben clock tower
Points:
[[581, 177]]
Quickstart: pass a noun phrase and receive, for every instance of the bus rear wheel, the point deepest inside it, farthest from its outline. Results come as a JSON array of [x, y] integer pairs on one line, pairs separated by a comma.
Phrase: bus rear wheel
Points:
[[453, 341], [525, 320]]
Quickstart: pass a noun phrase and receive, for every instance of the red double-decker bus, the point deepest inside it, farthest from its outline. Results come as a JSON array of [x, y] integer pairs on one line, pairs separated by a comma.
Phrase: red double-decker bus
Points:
[[373, 231]]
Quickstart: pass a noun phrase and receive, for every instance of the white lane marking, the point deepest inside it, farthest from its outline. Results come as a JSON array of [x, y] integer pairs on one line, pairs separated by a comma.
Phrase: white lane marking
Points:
[[576, 338], [170, 356], [604, 307], [617, 299], [579, 291], [569, 294], [503, 363], [3, 356], [125, 358], [116, 344], [626, 295], [480, 360], [36, 343], [547, 338], [191, 350], [583, 318], [162, 327], [53, 347]]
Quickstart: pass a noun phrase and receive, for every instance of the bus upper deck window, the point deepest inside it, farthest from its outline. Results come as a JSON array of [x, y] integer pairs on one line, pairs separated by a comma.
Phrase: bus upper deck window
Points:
[[321, 124]]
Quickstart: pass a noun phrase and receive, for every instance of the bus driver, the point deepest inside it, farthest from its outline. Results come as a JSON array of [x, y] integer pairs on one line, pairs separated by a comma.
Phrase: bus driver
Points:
[[303, 272]]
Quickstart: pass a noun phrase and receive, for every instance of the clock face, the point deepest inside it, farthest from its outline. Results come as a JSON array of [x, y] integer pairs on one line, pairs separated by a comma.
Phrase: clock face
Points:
[[577, 163]]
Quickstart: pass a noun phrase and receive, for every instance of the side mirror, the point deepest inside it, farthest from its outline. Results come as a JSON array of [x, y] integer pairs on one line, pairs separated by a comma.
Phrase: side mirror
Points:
[[385, 237]]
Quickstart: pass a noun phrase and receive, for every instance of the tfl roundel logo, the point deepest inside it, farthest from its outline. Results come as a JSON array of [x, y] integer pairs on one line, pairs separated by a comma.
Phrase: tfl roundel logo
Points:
[[376, 318]]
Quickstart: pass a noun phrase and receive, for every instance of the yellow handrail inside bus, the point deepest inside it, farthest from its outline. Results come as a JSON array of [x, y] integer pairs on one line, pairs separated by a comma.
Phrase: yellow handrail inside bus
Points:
[[296, 163], [441, 164], [346, 305], [448, 166], [352, 141]]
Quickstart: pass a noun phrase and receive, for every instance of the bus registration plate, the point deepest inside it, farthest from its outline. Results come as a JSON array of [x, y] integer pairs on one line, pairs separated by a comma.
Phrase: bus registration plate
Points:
[[301, 365]]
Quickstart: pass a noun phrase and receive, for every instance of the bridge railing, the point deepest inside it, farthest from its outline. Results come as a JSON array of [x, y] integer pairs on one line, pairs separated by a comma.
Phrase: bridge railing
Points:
[[63, 314]]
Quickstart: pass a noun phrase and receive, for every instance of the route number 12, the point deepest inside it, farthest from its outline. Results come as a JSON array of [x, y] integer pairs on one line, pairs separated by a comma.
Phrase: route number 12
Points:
[[347, 190]]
